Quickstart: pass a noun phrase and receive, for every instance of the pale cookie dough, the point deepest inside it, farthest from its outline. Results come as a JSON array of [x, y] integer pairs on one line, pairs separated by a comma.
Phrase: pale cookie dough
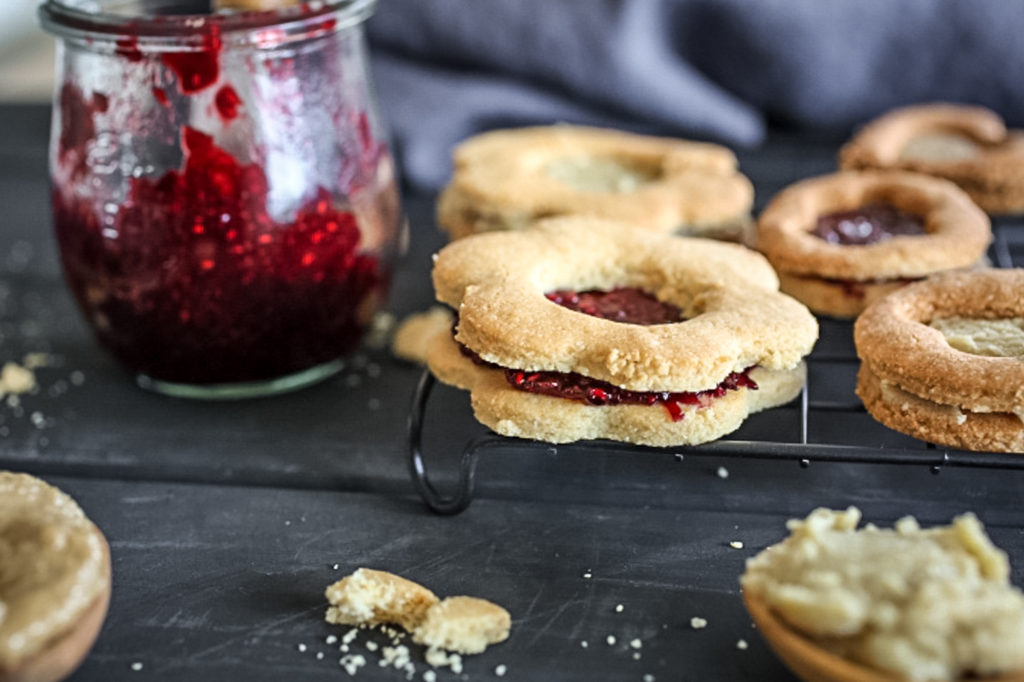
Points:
[[733, 321], [843, 279], [415, 333], [994, 338], [54, 580], [507, 179], [927, 604], [369, 597], [914, 380], [965, 144], [466, 625]]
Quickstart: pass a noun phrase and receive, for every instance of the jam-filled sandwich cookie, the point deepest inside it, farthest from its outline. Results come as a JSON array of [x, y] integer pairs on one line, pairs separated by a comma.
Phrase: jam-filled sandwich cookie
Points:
[[844, 240], [968, 145], [638, 337], [54, 581], [507, 179], [943, 360]]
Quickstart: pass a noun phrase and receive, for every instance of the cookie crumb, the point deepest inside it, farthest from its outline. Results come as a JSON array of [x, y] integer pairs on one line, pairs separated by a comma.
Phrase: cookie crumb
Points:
[[77, 378], [330, 639], [501, 670], [636, 655], [587, 574], [698, 623], [584, 644], [137, 666], [15, 379], [648, 678], [736, 544], [302, 648], [335, 567], [352, 663], [319, 655], [636, 643], [722, 472], [429, 676], [611, 640], [618, 608], [371, 646], [741, 644]]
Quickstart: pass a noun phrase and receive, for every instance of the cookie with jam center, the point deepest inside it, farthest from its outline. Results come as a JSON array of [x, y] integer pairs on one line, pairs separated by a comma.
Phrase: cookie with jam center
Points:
[[643, 338], [841, 241], [943, 360], [508, 179], [967, 145]]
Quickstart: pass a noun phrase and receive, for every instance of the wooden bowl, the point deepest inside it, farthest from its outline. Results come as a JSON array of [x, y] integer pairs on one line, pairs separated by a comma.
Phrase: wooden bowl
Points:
[[66, 651], [812, 663]]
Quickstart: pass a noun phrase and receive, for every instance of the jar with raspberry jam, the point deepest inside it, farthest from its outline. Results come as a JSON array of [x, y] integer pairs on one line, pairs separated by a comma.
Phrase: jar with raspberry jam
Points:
[[224, 200]]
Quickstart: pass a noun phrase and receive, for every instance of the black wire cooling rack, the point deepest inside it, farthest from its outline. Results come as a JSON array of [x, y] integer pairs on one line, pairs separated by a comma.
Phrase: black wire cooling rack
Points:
[[834, 352]]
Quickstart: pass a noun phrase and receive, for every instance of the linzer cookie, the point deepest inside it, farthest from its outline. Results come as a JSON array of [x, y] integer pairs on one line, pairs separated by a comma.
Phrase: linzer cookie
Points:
[[507, 179], [968, 145], [943, 360], [841, 241], [638, 337]]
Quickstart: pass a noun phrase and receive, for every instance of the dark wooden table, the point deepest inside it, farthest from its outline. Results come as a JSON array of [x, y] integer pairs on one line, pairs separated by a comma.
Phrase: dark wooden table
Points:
[[227, 520]]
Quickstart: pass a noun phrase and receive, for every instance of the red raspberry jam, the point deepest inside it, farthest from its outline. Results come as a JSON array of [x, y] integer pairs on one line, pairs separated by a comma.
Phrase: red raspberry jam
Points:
[[858, 288], [593, 392], [191, 280], [868, 224], [625, 304]]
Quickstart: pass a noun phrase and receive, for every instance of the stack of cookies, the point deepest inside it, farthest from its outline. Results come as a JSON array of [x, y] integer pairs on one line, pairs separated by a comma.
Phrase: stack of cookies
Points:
[[581, 328]]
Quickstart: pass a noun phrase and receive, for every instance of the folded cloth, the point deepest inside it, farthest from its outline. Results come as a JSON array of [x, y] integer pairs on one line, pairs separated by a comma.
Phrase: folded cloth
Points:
[[706, 69]]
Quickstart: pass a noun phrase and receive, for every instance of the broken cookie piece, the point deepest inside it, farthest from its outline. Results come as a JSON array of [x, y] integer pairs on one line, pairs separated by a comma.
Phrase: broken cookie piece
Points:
[[466, 625], [369, 597]]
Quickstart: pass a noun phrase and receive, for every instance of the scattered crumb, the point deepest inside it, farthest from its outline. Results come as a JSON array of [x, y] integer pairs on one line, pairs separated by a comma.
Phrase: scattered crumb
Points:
[[440, 658], [636, 644], [736, 544], [429, 676], [352, 663], [416, 332], [137, 666], [343, 648], [287, 523], [648, 678], [350, 635], [722, 472], [371, 646], [319, 655], [331, 639], [636, 655], [584, 644], [335, 567], [698, 623], [501, 670], [588, 575], [618, 608], [15, 379], [302, 648], [741, 644], [77, 378], [610, 640]]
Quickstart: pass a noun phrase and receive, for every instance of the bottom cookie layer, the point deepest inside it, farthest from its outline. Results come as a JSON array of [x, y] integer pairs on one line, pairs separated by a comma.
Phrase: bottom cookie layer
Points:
[[838, 298], [511, 412], [937, 423]]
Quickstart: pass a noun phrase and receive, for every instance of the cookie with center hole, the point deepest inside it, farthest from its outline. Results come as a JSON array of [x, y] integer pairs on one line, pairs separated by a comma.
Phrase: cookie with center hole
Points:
[[968, 145], [508, 179], [842, 241], [639, 337], [943, 360]]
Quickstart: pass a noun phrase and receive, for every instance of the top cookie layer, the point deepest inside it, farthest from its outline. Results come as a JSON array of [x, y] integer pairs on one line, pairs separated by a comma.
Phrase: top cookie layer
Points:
[[958, 232], [512, 177], [734, 316], [894, 338]]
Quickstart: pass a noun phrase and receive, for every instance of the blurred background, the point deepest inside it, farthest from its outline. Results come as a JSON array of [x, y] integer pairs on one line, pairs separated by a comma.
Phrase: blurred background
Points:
[[724, 70]]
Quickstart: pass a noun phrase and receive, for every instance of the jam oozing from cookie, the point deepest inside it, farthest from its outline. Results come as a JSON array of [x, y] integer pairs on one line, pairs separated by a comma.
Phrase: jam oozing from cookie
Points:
[[572, 386], [584, 389], [191, 279], [625, 304], [868, 224]]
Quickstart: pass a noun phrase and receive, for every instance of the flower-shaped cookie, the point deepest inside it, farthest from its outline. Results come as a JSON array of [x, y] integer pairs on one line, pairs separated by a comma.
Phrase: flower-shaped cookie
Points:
[[638, 337], [844, 240], [968, 145], [507, 179], [943, 360]]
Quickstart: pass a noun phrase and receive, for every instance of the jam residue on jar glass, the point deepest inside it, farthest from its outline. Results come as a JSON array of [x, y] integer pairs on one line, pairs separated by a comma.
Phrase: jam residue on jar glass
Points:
[[224, 202], [623, 304], [868, 224]]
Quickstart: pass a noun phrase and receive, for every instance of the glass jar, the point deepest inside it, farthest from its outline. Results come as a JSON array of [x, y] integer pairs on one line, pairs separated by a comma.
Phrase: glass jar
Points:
[[224, 201]]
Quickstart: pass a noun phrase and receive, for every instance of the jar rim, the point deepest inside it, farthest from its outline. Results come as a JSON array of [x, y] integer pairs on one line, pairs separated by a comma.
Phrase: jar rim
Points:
[[70, 19]]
